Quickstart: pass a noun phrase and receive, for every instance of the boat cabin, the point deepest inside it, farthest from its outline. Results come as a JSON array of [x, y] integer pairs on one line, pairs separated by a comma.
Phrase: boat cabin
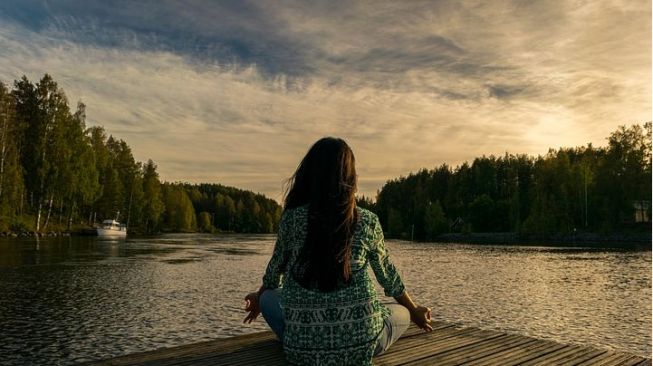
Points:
[[112, 225]]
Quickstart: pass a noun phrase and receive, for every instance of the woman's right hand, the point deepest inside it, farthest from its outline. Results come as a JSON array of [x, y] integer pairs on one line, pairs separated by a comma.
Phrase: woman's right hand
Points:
[[421, 316], [251, 305]]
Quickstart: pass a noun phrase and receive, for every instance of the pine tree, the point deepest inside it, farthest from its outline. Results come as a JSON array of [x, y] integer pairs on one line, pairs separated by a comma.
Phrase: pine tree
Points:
[[152, 197], [11, 179]]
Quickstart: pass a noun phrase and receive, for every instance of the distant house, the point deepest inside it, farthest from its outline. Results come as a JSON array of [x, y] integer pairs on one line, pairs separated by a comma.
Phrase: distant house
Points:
[[457, 225], [642, 211]]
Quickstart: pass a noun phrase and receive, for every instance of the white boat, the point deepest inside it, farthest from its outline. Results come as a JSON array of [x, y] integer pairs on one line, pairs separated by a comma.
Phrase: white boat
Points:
[[112, 229]]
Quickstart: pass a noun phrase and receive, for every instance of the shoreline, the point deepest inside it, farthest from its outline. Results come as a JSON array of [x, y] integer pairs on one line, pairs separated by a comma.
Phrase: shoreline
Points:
[[92, 232], [640, 240], [35, 234], [594, 240]]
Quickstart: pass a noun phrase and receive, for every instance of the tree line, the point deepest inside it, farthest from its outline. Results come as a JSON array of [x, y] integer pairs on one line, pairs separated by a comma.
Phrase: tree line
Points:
[[58, 174], [209, 207], [591, 189]]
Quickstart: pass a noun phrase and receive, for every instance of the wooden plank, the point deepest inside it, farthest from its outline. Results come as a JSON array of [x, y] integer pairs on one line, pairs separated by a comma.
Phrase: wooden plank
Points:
[[245, 357], [271, 360], [414, 331], [470, 354], [456, 356], [253, 348], [447, 344], [405, 352], [254, 356], [539, 352], [600, 360], [633, 361], [251, 355], [404, 346], [276, 358], [550, 357], [242, 356], [519, 355], [225, 344], [430, 349], [590, 354], [555, 355], [411, 344], [617, 360], [433, 337]]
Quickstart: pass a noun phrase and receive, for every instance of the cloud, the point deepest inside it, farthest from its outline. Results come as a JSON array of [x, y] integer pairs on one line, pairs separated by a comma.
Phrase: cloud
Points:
[[503, 91], [236, 92], [227, 32]]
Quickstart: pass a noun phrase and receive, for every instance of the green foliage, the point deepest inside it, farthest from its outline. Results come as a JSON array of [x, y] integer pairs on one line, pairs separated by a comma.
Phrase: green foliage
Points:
[[481, 213], [152, 198], [623, 174], [11, 179], [56, 173], [204, 222], [179, 213], [583, 188], [395, 223], [112, 194], [234, 209], [22, 223], [365, 202], [435, 221]]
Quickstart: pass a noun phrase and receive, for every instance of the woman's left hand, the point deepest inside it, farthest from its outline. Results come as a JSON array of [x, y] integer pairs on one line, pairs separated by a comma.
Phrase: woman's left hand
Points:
[[251, 305]]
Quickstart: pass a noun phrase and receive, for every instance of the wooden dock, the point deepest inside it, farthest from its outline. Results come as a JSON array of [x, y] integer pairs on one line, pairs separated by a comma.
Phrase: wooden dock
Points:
[[448, 344]]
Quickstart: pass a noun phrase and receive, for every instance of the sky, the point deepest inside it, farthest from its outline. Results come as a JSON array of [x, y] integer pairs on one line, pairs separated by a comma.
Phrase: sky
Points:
[[235, 92]]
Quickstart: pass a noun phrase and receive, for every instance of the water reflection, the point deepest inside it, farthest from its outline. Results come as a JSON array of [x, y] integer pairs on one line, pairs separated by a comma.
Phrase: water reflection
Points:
[[582, 296], [67, 300]]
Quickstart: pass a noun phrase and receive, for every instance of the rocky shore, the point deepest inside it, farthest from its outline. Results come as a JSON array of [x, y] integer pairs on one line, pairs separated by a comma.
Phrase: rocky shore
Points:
[[34, 234]]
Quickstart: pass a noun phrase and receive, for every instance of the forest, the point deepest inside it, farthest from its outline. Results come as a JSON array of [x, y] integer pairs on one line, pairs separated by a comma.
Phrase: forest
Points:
[[602, 190], [57, 174]]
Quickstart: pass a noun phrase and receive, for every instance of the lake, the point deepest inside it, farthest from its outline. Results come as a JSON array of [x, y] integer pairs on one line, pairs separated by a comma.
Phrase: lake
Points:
[[67, 300]]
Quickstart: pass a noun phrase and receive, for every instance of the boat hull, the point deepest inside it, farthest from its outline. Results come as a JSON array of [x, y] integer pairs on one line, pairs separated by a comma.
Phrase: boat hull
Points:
[[111, 234]]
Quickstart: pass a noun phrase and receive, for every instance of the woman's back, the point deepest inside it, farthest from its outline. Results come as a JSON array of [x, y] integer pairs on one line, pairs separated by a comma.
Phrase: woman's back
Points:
[[327, 312], [341, 326]]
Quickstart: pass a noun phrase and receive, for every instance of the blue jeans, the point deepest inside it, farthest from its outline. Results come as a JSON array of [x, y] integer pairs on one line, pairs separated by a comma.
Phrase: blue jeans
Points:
[[393, 326]]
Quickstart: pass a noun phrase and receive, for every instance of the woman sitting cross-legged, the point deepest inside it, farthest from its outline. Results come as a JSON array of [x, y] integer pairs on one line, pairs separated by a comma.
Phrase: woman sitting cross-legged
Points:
[[327, 311]]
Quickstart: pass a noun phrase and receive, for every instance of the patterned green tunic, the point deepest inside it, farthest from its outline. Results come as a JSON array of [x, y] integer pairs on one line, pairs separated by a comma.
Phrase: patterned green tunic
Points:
[[339, 327]]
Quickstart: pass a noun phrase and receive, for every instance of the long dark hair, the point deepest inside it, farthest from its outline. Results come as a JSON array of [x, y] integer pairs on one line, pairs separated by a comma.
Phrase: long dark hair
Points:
[[326, 181]]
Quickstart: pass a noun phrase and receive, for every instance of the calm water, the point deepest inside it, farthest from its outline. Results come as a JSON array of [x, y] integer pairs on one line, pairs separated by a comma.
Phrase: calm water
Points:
[[78, 299]]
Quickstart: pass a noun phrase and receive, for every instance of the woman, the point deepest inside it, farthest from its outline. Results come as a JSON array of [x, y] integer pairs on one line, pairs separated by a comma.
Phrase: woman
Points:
[[327, 312]]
